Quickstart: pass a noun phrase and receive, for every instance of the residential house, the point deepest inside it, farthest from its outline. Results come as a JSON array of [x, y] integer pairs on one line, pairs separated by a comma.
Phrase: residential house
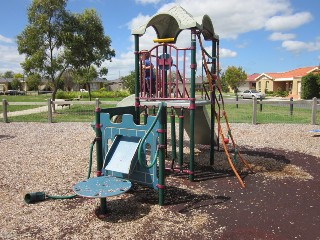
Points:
[[286, 81], [199, 80], [250, 83], [5, 82], [114, 85]]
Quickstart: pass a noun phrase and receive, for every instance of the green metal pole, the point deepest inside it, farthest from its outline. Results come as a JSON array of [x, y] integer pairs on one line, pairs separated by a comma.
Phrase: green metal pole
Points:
[[165, 72], [165, 94], [162, 148], [192, 102], [181, 129], [145, 116], [213, 109], [103, 201], [173, 136], [137, 79]]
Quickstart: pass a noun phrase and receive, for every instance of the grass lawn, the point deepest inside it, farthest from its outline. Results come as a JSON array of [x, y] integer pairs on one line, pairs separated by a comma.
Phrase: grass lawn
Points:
[[271, 113], [39, 98], [76, 113]]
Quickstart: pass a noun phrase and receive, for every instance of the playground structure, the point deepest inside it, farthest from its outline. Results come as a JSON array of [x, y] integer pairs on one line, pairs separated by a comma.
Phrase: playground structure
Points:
[[134, 148]]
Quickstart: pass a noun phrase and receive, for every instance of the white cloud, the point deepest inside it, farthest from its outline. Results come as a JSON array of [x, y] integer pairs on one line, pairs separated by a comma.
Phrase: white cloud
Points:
[[120, 66], [5, 39], [281, 23], [298, 46], [278, 36], [233, 17], [10, 59], [227, 53], [147, 1]]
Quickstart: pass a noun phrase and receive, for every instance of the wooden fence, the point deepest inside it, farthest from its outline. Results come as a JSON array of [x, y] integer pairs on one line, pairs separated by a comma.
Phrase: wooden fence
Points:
[[257, 107]]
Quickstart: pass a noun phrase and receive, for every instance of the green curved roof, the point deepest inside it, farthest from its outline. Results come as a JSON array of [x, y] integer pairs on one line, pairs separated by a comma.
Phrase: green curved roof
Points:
[[169, 24]]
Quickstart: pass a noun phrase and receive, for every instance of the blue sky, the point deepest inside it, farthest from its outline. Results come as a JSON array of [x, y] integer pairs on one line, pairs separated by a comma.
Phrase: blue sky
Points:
[[258, 35]]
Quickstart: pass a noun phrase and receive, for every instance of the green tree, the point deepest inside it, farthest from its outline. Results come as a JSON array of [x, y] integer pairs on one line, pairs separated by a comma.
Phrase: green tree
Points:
[[235, 77], [8, 74], [42, 41], [15, 84], [68, 78], [310, 86], [224, 84], [87, 46], [55, 40], [33, 81], [18, 75], [84, 76], [129, 81]]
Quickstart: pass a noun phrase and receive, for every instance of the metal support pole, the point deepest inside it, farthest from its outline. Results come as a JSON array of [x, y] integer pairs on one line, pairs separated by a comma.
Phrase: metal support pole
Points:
[[103, 201], [214, 70], [162, 123], [192, 102], [254, 110], [165, 50], [173, 135], [137, 79], [181, 129], [260, 103], [212, 134]]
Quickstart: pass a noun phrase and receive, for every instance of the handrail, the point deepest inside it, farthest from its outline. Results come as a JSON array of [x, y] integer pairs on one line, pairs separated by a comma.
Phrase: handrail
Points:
[[154, 160]]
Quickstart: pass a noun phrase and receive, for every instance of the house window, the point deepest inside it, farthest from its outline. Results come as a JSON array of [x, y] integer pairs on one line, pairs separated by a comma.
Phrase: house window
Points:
[[259, 85]]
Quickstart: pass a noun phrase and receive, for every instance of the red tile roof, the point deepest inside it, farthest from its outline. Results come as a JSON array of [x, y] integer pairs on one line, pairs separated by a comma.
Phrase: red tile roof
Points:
[[252, 77], [299, 72]]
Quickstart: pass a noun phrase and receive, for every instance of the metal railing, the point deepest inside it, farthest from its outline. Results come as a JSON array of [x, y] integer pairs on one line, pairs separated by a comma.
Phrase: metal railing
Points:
[[51, 111]]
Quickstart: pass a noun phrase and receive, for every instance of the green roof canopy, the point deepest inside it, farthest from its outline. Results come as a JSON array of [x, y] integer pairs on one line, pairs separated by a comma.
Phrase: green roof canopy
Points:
[[169, 24]]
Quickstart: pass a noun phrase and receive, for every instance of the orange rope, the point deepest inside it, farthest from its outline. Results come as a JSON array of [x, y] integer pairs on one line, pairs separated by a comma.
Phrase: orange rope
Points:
[[209, 77], [227, 153], [234, 144]]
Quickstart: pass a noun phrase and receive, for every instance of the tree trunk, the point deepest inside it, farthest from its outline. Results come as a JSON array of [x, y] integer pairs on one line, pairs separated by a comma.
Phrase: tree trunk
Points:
[[54, 98], [89, 90]]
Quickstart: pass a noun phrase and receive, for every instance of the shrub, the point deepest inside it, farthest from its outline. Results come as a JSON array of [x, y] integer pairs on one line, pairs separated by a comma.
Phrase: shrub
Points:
[[310, 86], [67, 95], [108, 94], [280, 93], [269, 92], [94, 94]]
